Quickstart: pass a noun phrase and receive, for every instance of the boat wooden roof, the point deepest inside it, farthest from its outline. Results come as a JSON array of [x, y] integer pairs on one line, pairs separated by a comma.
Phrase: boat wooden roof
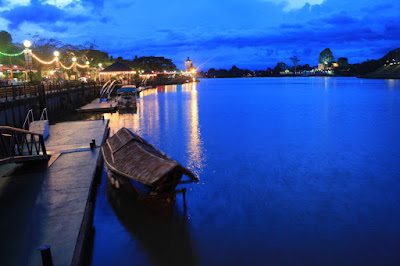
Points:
[[131, 156]]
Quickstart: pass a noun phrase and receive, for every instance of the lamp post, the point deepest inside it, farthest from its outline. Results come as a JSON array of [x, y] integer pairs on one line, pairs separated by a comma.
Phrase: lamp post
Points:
[[100, 65], [28, 57], [74, 67], [57, 63], [56, 55], [88, 70]]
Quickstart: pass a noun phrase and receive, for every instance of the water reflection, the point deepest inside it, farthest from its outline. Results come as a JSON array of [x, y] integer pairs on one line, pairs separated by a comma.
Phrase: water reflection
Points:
[[168, 117], [166, 241], [195, 145], [160, 113], [148, 92], [296, 169], [167, 88], [392, 84]]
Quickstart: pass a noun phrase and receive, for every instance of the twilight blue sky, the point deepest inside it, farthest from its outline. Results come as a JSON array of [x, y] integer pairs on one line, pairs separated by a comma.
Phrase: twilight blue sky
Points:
[[253, 34]]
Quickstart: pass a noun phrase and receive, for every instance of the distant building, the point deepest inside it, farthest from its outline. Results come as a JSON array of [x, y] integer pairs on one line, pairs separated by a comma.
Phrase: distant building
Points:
[[188, 65]]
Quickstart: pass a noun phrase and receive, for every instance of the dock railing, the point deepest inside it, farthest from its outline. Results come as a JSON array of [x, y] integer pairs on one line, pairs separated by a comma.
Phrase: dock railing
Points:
[[44, 115], [15, 92], [19, 145], [28, 119]]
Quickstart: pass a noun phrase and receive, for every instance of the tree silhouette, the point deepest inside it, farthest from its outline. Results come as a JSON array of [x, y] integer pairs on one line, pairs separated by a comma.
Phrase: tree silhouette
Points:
[[326, 57], [295, 61]]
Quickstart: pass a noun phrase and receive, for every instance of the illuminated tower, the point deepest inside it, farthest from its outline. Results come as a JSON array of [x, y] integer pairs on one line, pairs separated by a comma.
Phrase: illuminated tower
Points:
[[188, 65]]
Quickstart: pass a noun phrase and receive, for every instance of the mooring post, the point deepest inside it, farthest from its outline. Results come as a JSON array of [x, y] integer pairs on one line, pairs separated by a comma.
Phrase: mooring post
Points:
[[94, 142], [14, 92], [46, 255], [184, 199]]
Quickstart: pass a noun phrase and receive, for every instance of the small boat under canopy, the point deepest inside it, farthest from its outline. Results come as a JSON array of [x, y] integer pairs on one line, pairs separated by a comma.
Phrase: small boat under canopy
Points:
[[129, 156]]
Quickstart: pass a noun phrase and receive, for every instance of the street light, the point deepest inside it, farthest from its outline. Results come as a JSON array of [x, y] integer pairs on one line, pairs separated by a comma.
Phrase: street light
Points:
[[27, 43], [98, 71], [28, 57], [74, 70], [57, 54]]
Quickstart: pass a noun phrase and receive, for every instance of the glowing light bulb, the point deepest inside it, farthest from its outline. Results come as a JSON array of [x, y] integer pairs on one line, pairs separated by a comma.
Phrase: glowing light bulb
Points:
[[27, 43], [73, 59], [56, 53]]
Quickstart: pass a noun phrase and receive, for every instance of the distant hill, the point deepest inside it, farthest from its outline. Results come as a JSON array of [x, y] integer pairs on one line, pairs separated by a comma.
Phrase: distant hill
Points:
[[389, 66]]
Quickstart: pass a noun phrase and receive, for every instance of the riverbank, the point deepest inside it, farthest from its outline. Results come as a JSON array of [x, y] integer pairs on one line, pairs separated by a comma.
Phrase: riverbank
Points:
[[385, 72]]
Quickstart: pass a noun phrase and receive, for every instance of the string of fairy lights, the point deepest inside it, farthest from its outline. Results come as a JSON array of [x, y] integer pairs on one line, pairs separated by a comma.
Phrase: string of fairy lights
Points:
[[12, 55], [55, 60]]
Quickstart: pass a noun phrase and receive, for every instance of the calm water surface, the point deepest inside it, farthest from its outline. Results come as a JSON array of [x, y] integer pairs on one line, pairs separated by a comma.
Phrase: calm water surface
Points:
[[292, 171]]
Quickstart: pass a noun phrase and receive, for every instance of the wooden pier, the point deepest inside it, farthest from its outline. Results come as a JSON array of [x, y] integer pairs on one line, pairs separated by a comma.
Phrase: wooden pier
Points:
[[52, 206], [97, 106]]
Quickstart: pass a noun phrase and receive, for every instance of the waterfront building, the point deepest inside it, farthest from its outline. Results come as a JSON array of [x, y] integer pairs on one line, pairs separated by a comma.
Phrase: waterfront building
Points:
[[12, 72], [188, 65], [118, 71]]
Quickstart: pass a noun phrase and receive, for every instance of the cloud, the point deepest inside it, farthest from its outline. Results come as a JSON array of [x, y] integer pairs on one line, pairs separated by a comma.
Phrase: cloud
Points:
[[289, 5], [61, 3], [340, 20], [20, 14], [10, 4], [77, 6], [47, 14], [252, 34]]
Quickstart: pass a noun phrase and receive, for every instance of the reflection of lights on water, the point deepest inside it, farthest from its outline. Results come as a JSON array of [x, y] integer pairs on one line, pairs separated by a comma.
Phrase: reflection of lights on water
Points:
[[169, 88], [195, 143], [147, 121], [119, 120], [391, 83]]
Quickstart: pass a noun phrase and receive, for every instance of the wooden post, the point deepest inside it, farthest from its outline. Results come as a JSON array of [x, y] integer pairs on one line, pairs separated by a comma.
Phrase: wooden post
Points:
[[41, 140], [46, 255], [14, 91], [42, 97], [184, 199]]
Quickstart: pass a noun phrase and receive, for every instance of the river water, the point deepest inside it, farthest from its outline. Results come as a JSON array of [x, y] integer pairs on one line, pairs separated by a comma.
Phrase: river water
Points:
[[292, 171]]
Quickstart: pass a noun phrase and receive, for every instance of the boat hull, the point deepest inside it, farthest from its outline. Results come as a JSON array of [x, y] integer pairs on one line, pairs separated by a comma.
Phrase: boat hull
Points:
[[162, 203]]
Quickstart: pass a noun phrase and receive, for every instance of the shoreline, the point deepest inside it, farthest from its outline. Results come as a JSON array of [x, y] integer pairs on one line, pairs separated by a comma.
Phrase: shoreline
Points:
[[315, 76]]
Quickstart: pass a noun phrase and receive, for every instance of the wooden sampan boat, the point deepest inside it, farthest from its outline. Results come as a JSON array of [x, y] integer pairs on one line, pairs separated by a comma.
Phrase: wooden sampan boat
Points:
[[140, 168]]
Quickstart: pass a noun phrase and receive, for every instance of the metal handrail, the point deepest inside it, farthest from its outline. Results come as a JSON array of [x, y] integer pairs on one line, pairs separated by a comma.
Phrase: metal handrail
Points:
[[19, 145], [104, 86], [110, 89], [112, 85], [44, 115], [28, 118], [106, 90]]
